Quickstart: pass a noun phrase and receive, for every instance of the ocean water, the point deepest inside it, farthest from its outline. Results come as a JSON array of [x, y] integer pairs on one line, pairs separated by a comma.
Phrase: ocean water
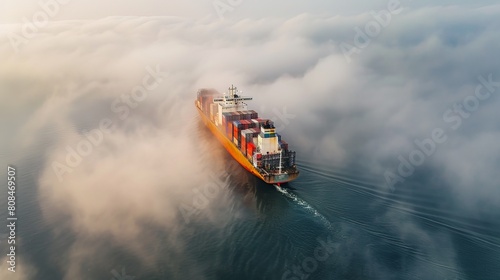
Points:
[[331, 223]]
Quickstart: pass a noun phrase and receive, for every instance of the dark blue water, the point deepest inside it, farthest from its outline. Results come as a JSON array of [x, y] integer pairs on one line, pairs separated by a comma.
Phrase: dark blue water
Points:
[[333, 222]]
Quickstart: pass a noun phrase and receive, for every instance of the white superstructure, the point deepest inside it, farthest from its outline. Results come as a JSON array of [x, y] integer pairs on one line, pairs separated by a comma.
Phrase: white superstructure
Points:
[[230, 102], [267, 141]]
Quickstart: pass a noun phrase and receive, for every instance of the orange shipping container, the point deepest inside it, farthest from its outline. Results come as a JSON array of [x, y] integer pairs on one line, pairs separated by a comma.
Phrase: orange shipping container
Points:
[[243, 145]]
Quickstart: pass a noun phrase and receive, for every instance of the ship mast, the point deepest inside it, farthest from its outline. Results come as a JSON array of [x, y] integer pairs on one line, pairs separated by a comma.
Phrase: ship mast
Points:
[[232, 90]]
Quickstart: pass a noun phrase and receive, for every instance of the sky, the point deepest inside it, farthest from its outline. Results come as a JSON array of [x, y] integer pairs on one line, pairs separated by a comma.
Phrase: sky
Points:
[[12, 11], [340, 94]]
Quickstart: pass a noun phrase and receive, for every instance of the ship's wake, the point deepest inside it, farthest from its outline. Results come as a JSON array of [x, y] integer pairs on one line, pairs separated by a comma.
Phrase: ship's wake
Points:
[[306, 206]]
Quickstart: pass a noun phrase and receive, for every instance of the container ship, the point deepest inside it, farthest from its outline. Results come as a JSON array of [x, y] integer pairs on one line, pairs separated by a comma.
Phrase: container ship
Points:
[[250, 140]]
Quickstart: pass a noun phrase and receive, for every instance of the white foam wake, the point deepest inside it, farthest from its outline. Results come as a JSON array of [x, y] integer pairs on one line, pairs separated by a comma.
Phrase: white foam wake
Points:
[[305, 205]]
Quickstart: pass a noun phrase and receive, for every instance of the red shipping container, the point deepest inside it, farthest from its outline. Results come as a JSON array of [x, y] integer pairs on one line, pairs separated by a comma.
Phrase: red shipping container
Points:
[[235, 132], [246, 123], [250, 148]]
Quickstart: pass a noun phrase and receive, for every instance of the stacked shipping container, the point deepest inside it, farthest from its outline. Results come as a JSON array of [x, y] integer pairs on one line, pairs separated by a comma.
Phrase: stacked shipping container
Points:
[[247, 137], [259, 121], [243, 127], [239, 126], [227, 122], [206, 97], [234, 122]]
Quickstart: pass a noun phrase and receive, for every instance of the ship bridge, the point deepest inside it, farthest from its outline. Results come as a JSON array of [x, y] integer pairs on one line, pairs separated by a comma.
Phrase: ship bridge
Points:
[[230, 102]]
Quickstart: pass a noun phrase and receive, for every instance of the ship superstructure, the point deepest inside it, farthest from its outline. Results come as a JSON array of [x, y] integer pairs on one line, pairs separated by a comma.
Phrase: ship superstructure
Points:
[[252, 141]]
